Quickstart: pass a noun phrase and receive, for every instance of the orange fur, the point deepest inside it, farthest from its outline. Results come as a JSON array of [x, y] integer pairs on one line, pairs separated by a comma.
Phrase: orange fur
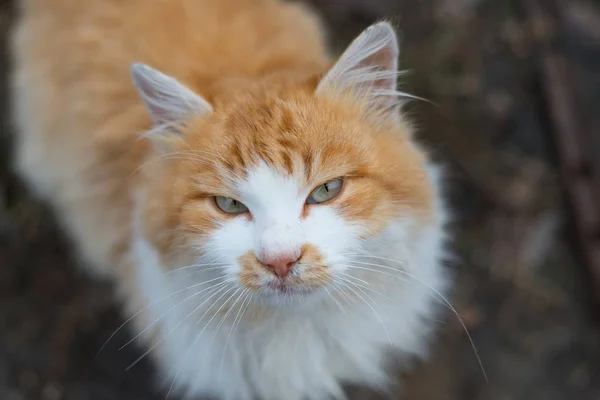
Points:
[[259, 69], [258, 63], [315, 275], [258, 66], [88, 113]]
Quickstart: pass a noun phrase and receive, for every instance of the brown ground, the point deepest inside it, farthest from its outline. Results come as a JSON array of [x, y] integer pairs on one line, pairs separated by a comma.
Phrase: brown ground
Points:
[[521, 287]]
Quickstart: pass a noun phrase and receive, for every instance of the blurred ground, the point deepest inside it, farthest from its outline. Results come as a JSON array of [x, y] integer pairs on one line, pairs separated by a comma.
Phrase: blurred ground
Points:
[[522, 290]]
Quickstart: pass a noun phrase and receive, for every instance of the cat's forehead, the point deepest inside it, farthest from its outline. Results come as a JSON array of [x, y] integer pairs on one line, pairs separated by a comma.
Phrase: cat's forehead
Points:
[[293, 139]]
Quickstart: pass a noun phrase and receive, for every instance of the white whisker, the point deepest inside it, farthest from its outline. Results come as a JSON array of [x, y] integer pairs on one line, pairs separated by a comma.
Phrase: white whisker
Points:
[[439, 296], [340, 289], [199, 334], [355, 278], [198, 267], [228, 311], [247, 297], [148, 351], [147, 307], [394, 301], [335, 300], [169, 310], [370, 306]]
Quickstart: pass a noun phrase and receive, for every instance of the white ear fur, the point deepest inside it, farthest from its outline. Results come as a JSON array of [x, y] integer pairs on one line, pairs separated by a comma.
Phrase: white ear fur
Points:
[[369, 66], [167, 101]]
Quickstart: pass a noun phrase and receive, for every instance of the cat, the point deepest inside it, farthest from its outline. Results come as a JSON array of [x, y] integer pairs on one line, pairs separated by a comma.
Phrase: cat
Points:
[[272, 226]]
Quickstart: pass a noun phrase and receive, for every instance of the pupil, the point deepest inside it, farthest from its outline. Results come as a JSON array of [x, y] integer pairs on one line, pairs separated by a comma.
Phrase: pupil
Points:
[[326, 187]]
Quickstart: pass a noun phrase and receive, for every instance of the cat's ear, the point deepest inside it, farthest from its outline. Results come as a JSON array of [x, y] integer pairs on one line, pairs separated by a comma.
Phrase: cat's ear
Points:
[[369, 66], [167, 101]]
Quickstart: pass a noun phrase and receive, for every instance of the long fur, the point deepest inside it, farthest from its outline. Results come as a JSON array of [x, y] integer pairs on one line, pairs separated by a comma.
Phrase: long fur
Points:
[[237, 99]]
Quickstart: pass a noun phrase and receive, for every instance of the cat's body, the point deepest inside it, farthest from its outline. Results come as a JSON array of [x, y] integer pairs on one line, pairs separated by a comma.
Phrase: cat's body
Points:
[[291, 293]]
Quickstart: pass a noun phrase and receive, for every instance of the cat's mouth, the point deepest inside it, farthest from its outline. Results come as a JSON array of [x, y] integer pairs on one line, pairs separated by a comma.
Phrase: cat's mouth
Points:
[[283, 287], [288, 288]]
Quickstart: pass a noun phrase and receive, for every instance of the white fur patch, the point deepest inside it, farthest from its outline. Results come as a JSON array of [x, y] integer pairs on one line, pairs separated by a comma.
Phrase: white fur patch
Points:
[[385, 288]]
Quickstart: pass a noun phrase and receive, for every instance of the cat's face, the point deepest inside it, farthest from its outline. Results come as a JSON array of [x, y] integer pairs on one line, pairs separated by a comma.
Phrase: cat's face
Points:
[[279, 192], [282, 203]]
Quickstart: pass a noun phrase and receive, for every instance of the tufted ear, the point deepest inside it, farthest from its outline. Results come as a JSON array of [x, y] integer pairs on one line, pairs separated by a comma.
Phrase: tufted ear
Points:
[[167, 101], [369, 66]]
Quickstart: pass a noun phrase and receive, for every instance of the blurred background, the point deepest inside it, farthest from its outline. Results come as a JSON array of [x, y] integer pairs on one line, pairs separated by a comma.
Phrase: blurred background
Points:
[[515, 87]]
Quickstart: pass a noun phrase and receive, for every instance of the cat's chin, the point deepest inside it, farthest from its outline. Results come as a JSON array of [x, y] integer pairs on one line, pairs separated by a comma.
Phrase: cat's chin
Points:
[[279, 295]]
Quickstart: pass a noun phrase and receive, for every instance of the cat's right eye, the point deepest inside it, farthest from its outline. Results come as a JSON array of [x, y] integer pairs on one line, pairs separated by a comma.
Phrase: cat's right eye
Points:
[[325, 192], [230, 206]]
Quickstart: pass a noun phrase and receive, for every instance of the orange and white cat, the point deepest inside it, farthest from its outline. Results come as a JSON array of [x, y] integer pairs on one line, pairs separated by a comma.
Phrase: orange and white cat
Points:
[[270, 223]]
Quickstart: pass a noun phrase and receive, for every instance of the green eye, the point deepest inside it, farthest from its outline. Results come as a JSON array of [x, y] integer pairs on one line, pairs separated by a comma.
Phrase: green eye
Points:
[[229, 205], [325, 192]]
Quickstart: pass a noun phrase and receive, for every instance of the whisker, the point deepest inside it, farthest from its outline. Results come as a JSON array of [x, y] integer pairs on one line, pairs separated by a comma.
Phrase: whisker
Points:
[[169, 310], [371, 307], [374, 270], [340, 289], [228, 311], [200, 267], [440, 297], [199, 334], [148, 306], [335, 300], [218, 310], [355, 278], [247, 297], [175, 327], [394, 301]]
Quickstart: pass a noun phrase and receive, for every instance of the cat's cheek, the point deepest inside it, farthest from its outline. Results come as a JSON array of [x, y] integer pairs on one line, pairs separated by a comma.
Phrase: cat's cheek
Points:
[[332, 235], [231, 240]]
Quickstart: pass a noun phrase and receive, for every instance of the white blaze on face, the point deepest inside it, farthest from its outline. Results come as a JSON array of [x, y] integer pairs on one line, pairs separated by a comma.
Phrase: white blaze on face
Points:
[[278, 228], [276, 202]]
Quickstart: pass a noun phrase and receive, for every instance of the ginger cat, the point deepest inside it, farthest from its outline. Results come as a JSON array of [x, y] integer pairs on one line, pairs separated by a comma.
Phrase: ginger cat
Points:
[[272, 227]]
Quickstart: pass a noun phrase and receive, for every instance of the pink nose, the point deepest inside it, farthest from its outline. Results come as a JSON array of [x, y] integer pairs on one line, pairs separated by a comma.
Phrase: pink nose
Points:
[[282, 264]]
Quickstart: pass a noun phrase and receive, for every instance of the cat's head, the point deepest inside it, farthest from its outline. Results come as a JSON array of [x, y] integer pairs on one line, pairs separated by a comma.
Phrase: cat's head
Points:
[[281, 188]]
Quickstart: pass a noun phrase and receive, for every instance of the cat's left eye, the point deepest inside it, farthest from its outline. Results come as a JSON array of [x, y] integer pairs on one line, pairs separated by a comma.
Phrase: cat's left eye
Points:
[[325, 192], [229, 205]]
